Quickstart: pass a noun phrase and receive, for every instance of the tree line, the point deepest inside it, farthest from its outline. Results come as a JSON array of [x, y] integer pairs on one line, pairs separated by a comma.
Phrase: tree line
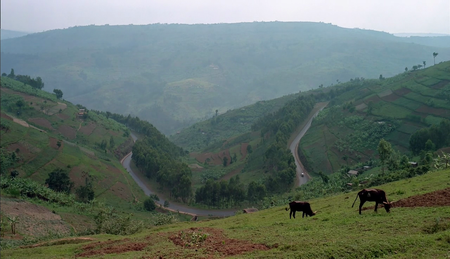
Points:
[[276, 130], [168, 172], [221, 193], [157, 157], [431, 138], [33, 82]]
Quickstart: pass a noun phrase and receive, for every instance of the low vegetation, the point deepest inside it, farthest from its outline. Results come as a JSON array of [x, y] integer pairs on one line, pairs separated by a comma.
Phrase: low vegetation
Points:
[[422, 231]]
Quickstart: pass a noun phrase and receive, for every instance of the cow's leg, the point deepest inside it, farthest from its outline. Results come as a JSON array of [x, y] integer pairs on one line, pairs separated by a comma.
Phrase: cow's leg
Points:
[[303, 215], [376, 206], [293, 214], [290, 214], [360, 206]]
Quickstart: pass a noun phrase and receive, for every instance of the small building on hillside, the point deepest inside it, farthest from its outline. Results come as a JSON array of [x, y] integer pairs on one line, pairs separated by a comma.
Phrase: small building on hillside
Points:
[[414, 164], [352, 173], [81, 112]]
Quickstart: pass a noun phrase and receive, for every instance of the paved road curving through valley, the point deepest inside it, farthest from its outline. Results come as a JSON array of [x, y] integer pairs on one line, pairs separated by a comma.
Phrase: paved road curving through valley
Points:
[[175, 207], [182, 208], [294, 147]]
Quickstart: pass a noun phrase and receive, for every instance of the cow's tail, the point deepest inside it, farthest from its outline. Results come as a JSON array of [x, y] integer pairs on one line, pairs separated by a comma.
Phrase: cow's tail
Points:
[[355, 199]]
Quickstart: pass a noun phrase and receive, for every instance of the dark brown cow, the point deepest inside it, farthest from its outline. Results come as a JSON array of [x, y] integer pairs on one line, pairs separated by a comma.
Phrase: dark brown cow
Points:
[[300, 206], [376, 195]]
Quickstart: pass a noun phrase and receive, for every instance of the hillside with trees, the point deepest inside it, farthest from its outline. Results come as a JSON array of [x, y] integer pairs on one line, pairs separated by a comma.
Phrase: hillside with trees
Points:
[[410, 111], [173, 75], [60, 157]]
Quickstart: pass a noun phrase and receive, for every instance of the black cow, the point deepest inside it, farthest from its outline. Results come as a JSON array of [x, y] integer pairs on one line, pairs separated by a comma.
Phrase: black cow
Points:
[[376, 195], [300, 206]]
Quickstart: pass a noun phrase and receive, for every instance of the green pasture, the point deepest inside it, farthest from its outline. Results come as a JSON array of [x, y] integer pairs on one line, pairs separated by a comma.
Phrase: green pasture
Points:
[[433, 120], [337, 231], [408, 128], [392, 111], [409, 104]]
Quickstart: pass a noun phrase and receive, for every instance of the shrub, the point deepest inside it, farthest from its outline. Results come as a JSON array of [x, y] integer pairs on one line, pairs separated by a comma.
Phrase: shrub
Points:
[[149, 204]]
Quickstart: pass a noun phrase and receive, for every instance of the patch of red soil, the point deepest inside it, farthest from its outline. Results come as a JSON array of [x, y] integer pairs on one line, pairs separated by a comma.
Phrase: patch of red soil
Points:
[[34, 220], [88, 129], [63, 116], [232, 173], [373, 99], [112, 247], [4, 116], [214, 158], [214, 242], [68, 131], [121, 190], [53, 143], [41, 122], [76, 176], [391, 97], [435, 111], [433, 199], [440, 84], [402, 91], [24, 153], [244, 150]]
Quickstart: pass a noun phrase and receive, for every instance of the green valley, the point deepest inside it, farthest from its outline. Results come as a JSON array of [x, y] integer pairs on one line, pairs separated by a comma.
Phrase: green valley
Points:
[[173, 75]]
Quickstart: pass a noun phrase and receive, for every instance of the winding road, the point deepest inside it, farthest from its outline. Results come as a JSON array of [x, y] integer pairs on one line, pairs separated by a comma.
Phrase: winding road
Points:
[[294, 146], [173, 206], [182, 208]]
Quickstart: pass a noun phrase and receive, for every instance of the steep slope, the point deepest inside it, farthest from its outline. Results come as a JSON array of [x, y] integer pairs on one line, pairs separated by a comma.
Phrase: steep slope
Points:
[[348, 130], [173, 75], [42, 133]]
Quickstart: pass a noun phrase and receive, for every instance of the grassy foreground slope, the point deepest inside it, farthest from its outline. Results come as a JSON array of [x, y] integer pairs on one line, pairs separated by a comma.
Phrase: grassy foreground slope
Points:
[[337, 231], [349, 129]]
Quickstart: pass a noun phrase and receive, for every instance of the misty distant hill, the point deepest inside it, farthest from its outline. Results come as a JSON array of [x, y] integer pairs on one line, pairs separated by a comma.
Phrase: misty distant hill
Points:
[[8, 34], [176, 74]]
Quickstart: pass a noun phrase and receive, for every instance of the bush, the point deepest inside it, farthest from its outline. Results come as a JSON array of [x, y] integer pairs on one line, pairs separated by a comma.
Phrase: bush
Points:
[[149, 205], [109, 222]]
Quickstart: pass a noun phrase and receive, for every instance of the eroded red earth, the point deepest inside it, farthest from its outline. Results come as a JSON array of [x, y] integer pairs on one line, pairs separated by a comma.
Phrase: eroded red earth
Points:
[[195, 242]]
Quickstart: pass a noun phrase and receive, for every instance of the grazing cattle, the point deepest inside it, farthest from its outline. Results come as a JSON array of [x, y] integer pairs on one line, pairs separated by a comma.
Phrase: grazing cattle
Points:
[[300, 206], [376, 195]]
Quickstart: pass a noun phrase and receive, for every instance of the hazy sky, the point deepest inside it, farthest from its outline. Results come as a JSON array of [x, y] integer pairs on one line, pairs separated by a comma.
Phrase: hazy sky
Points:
[[394, 16]]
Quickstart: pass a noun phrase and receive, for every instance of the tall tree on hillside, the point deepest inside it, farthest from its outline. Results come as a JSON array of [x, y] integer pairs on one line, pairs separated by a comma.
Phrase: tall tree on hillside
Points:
[[58, 93], [424, 64], [384, 151], [59, 181], [11, 74], [434, 57]]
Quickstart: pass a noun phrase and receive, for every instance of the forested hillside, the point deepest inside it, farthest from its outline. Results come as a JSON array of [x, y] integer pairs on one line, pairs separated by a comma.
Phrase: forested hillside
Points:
[[399, 109], [173, 75]]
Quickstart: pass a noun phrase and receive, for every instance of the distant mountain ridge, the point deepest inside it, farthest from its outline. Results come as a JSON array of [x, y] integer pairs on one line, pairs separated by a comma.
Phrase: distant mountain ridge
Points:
[[9, 34], [174, 74]]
